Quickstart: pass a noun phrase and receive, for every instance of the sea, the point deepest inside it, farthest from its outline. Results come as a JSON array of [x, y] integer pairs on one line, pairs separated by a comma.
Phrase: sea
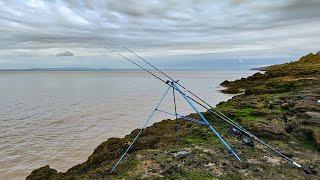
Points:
[[57, 118]]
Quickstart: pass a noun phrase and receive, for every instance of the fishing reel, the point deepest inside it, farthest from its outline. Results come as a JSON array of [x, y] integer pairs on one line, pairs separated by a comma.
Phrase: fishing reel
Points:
[[245, 139]]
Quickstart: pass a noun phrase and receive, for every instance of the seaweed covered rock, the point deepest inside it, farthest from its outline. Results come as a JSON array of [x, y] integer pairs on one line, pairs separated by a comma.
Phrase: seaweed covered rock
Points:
[[45, 173]]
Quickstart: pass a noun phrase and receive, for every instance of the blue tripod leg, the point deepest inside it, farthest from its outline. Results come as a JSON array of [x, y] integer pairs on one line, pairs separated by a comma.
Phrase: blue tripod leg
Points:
[[146, 123], [206, 121]]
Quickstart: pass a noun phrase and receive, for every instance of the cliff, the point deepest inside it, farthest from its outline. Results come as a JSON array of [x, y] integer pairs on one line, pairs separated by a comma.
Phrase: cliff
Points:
[[281, 106]]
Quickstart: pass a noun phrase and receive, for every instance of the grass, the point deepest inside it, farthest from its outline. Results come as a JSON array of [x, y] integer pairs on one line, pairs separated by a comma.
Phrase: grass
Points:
[[245, 113], [224, 106], [195, 175], [194, 139], [234, 176], [129, 167], [205, 139]]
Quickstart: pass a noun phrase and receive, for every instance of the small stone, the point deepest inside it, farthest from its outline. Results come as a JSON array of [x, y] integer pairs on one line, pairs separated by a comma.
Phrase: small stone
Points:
[[315, 115], [285, 105], [210, 164], [181, 154], [206, 151], [272, 160]]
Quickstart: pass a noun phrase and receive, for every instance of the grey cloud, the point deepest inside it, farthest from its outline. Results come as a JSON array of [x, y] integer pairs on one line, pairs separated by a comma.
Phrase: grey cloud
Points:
[[65, 53], [236, 27]]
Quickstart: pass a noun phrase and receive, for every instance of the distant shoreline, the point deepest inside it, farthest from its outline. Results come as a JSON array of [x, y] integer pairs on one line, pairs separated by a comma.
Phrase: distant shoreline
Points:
[[114, 70], [69, 69]]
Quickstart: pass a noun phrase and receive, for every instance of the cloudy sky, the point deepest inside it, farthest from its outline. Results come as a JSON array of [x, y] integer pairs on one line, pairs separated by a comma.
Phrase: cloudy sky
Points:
[[39, 33]]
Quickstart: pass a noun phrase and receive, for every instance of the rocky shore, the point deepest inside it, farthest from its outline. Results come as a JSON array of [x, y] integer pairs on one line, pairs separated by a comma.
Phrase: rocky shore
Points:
[[281, 106]]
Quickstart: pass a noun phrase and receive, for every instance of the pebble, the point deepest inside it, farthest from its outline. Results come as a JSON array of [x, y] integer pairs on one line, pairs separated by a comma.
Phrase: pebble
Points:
[[210, 164], [181, 154], [272, 160]]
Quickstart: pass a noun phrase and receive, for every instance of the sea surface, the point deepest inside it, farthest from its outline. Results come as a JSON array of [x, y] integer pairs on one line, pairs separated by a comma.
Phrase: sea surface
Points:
[[59, 117]]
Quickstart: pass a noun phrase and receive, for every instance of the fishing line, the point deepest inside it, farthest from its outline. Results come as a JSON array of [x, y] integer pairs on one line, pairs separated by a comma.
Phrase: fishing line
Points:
[[221, 115], [207, 106]]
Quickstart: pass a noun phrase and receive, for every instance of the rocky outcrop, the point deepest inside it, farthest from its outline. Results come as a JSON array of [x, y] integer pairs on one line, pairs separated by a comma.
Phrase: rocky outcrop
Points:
[[45, 173], [280, 106]]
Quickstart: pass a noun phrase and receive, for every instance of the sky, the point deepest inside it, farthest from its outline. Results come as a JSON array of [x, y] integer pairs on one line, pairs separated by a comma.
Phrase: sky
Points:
[[75, 33]]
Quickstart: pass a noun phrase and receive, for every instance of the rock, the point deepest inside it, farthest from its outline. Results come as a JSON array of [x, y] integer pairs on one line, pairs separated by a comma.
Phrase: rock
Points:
[[289, 155], [209, 152], [225, 83], [43, 173], [256, 170], [316, 136], [273, 160], [313, 169], [270, 105], [217, 171], [285, 105], [272, 130], [210, 164], [181, 154], [254, 161], [315, 115]]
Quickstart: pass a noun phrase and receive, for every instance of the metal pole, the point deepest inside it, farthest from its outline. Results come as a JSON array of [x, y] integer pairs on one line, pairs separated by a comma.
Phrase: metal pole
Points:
[[144, 126], [212, 111], [174, 102], [206, 121], [184, 117]]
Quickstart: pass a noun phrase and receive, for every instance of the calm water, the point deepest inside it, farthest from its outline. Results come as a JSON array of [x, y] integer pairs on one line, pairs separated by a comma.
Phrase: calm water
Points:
[[58, 118]]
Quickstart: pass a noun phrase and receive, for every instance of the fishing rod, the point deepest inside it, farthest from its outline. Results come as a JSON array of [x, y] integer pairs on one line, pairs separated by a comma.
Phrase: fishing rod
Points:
[[173, 85], [217, 113]]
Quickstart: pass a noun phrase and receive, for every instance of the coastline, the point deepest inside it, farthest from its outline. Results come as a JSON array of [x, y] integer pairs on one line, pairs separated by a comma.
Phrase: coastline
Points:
[[279, 106]]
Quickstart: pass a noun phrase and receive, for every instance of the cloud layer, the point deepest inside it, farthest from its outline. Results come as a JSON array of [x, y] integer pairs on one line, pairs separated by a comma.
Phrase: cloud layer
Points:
[[232, 28]]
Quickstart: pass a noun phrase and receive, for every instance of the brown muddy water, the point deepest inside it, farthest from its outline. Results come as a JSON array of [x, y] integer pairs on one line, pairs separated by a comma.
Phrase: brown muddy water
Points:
[[58, 118]]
